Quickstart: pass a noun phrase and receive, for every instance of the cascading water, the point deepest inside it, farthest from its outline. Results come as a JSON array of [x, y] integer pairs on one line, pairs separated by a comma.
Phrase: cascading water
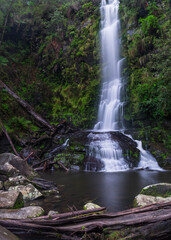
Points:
[[110, 114]]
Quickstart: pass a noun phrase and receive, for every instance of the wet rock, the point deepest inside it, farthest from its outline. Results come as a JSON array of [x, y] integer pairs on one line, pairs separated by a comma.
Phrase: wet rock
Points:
[[11, 199], [160, 192], [52, 213], [14, 181], [143, 200], [90, 206], [1, 185], [29, 192], [50, 192], [7, 170], [5, 234], [23, 213], [18, 163]]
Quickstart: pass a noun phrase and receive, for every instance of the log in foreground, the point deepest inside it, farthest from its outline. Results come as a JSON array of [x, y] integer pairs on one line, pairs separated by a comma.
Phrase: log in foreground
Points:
[[150, 222]]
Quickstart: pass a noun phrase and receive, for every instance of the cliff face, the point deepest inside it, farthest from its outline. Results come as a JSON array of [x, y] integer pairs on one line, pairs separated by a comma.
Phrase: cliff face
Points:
[[50, 58], [146, 41]]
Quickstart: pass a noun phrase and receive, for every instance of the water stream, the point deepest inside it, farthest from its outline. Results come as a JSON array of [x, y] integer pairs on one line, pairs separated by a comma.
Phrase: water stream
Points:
[[110, 114]]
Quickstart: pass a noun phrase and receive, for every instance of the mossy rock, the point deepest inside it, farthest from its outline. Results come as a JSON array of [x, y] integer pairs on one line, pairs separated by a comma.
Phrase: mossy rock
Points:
[[157, 190]]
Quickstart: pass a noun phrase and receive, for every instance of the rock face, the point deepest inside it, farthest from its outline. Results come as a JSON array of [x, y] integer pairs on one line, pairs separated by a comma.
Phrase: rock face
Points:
[[23, 213], [29, 192], [155, 193], [11, 199], [18, 163], [7, 235], [90, 206]]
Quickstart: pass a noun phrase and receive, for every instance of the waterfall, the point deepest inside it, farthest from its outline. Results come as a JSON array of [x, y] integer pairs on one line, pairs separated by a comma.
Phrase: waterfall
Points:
[[110, 114]]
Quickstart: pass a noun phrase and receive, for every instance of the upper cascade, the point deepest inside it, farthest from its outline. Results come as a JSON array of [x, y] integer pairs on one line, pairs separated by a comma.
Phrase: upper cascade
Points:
[[110, 112]]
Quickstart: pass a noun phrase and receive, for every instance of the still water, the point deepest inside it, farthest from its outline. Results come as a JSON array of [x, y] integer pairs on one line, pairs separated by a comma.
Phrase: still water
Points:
[[115, 191]]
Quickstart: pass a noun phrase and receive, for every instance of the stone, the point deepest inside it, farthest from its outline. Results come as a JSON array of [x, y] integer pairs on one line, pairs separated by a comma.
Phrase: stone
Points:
[[156, 193], [8, 170], [50, 192], [29, 192], [11, 199], [52, 213], [18, 163], [5, 234], [143, 200], [23, 213], [14, 181], [1, 185], [90, 206]]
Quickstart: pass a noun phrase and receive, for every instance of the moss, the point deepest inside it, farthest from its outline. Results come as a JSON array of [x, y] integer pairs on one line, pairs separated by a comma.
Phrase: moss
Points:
[[157, 191]]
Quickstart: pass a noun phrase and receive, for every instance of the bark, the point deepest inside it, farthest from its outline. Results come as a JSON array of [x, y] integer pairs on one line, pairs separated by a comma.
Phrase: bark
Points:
[[151, 222], [27, 107]]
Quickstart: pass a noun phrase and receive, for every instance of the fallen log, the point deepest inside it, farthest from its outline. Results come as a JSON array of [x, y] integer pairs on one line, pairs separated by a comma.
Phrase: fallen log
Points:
[[27, 107], [151, 222]]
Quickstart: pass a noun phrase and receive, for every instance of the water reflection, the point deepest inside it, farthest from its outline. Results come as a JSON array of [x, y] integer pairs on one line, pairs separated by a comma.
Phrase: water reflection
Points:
[[115, 191]]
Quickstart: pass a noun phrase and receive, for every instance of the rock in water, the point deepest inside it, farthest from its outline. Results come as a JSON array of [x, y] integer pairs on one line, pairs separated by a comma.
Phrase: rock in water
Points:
[[7, 235], [11, 199], [90, 206], [23, 213], [29, 192], [156, 193]]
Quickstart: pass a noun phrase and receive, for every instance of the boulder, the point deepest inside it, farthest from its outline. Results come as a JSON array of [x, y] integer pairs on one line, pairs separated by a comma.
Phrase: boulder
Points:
[[14, 181], [11, 199], [29, 192], [143, 200], [160, 192], [5, 234], [18, 163], [7, 170], [23, 213], [90, 206]]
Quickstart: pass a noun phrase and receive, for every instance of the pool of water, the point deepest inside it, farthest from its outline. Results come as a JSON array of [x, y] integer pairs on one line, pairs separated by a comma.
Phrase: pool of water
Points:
[[115, 191]]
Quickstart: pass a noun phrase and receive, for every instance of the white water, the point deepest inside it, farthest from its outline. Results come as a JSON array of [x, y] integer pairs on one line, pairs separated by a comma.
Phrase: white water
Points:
[[110, 114]]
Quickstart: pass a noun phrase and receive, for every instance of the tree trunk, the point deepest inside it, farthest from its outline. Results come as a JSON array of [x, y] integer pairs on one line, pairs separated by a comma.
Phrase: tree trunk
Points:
[[151, 222], [27, 107]]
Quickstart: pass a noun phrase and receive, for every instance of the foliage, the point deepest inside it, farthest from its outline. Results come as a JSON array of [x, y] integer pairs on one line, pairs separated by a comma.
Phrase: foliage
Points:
[[150, 25]]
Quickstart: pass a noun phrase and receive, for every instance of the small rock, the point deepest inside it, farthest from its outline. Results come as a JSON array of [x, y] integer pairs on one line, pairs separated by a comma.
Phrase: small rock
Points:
[[50, 192], [5, 234], [11, 199], [52, 213], [26, 212], [90, 206], [29, 192], [14, 181]]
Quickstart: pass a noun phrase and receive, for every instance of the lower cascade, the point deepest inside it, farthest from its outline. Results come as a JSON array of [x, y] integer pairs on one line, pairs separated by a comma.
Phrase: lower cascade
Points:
[[102, 148]]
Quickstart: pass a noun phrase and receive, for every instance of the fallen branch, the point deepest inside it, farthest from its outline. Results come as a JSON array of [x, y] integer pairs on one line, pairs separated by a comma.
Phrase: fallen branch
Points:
[[9, 139], [27, 107]]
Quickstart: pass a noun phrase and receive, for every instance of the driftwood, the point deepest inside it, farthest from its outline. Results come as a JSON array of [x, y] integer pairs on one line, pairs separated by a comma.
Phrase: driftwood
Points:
[[27, 107], [150, 222], [9, 139]]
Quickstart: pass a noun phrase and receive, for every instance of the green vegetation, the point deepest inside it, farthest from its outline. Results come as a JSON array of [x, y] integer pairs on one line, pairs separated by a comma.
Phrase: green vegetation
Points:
[[49, 56], [146, 45]]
